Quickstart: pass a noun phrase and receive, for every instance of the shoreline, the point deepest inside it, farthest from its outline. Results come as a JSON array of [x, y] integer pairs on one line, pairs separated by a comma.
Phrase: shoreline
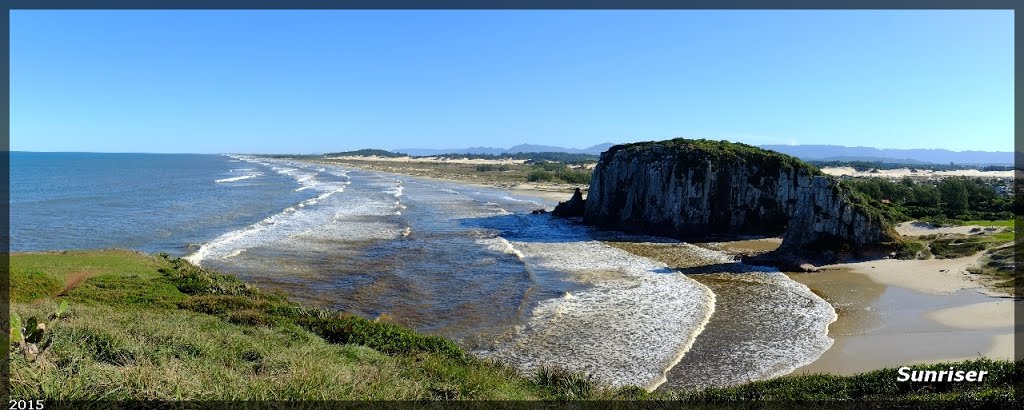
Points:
[[869, 332], [549, 191], [900, 312]]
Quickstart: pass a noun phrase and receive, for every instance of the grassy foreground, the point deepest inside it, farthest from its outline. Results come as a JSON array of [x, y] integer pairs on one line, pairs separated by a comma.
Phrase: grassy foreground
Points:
[[150, 327]]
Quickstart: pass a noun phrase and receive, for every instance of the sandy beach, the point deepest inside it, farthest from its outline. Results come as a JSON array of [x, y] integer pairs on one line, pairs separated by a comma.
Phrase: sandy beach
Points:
[[914, 228], [549, 191], [897, 312]]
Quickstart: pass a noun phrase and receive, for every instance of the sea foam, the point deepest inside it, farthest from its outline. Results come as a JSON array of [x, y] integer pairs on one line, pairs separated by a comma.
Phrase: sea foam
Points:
[[633, 320]]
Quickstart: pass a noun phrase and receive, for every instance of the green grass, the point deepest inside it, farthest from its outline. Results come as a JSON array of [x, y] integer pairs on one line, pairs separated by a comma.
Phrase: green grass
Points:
[[879, 385], [145, 327], [151, 328], [1006, 223], [909, 249], [949, 248], [957, 245], [998, 247]]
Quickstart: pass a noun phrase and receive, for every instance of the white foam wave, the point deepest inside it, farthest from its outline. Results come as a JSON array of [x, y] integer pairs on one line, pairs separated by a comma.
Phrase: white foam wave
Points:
[[792, 327], [396, 191], [501, 245], [634, 322], [510, 198], [238, 178], [317, 217]]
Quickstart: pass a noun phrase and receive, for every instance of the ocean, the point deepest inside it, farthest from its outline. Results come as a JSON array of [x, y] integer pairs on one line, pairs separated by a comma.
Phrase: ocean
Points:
[[467, 263]]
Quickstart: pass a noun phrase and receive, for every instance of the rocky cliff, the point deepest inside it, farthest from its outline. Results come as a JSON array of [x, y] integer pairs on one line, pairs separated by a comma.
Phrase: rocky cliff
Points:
[[700, 190]]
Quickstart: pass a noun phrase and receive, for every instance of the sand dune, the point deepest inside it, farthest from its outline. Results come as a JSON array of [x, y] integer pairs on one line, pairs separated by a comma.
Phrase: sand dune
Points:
[[924, 173]]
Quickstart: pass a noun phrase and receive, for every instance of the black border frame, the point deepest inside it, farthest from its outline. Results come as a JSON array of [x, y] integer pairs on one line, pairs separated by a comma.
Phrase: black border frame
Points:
[[475, 5]]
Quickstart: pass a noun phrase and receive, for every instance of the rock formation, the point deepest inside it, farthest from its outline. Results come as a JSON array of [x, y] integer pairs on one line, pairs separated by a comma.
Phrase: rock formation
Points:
[[701, 190], [573, 207]]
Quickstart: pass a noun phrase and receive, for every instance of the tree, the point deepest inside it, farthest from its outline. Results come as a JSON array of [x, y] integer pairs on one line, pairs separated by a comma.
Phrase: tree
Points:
[[954, 196], [926, 195]]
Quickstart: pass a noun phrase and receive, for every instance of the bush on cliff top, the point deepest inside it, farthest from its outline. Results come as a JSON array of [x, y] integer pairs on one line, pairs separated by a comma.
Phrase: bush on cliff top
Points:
[[695, 149]]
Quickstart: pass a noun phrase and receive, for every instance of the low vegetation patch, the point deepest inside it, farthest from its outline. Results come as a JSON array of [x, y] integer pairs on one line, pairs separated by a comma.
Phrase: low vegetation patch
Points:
[[540, 176], [910, 249], [875, 386], [999, 263], [956, 247], [147, 327]]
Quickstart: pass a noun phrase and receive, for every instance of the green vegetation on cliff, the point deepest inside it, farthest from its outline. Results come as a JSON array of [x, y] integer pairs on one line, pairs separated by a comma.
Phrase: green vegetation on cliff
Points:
[[949, 199], [699, 150]]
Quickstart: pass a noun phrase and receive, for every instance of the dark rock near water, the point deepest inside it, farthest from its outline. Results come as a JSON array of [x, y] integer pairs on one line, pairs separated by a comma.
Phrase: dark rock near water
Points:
[[700, 189], [538, 211], [573, 207]]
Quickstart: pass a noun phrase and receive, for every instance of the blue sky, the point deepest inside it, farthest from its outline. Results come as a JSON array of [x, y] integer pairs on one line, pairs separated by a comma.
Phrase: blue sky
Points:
[[316, 81]]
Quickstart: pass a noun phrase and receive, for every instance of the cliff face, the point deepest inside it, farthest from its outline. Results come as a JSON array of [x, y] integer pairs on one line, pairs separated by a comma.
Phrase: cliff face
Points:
[[696, 189]]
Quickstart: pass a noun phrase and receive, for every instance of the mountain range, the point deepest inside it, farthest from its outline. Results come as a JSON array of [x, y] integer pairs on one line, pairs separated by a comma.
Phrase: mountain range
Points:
[[902, 156], [804, 152]]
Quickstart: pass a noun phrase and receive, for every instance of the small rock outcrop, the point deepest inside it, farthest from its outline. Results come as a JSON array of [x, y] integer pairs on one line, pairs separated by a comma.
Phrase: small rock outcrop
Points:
[[573, 207], [703, 190]]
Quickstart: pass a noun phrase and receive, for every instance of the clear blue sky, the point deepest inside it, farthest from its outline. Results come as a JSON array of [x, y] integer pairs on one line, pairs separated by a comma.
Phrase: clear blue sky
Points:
[[315, 81]]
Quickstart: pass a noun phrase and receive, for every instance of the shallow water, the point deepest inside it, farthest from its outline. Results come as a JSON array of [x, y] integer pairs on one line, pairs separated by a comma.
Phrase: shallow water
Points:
[[764, 324]]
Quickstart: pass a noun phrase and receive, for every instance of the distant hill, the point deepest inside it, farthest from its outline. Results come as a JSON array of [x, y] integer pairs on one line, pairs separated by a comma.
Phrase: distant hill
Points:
[[804, 152], [363, 153], [905, 156], [594, 150]]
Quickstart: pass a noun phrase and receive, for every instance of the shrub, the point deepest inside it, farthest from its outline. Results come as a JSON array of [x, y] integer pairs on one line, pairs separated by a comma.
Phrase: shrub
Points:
[[251, 317], [540, 176], [484, 167], [550, 166], [913, 250], [956, 248], [193, 280], [575, 177], [565, 384], [384, 337]]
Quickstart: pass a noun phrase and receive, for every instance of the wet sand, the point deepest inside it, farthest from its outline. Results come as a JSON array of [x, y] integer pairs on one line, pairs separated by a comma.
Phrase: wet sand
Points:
[[763, 325], [884, 325], [747, 245], [897, 312]]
